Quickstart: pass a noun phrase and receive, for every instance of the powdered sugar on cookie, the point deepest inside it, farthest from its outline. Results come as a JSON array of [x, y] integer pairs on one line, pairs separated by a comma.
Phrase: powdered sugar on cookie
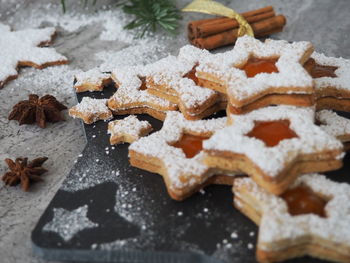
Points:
[[130, 93], [291, 77], [169, 74], [159, 145], [334, 124], [21, 48], [91, 110], [129, 129], [342, 79], [92, 80], [271, 160], [278, 225]]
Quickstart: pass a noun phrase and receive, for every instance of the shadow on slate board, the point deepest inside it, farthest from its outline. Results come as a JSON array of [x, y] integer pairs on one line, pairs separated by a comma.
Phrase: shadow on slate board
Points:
[[168, 237]]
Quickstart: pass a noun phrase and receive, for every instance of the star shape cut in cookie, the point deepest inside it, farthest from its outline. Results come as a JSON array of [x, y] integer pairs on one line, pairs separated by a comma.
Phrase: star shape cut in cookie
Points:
[[311, 218], [174, 79], [332, 81], [256, 74], [132, 97], [129, 129], [175, 152], [68, 223], [91, 110], [26, 48], [92, 80], [274, 145], [335, 125]]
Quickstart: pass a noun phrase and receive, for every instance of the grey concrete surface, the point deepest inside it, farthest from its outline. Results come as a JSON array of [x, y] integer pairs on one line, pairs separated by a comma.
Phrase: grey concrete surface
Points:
[[323, 22]]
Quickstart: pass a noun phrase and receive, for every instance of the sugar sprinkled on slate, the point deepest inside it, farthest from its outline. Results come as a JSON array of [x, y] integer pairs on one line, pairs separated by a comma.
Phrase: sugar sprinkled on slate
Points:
[[68, 223]]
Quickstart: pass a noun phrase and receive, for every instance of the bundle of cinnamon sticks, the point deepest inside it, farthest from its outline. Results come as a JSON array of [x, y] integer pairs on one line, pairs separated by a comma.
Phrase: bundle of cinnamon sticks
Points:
[[221, 31]]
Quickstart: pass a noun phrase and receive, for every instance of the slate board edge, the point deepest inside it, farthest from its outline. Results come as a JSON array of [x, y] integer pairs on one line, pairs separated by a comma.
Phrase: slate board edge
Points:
[[119, 256]]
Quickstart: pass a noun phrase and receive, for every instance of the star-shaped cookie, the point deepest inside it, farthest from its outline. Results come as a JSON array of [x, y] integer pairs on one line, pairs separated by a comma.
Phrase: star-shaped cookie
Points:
[[129, 129], [175, 152], [25, 48], [174, 79], [335, 125], [274, 145], [132, 97], [92, 80], [256, 74], [91, 110], [311, 218], [68, 223], [332, 81]]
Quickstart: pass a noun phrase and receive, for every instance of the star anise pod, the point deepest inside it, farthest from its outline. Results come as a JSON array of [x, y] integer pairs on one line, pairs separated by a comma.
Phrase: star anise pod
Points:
[[39, 110], [23, 172]]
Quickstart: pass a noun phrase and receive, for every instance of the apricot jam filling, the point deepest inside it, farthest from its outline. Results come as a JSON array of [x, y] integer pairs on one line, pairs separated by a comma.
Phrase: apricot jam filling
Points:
[[255, 66], [272, 132], [191, 145], [319, 71], [192, 75], [302, 200]]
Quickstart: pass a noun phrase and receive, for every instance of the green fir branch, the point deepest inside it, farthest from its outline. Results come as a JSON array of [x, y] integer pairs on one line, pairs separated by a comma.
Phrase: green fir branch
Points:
[[149, 15]]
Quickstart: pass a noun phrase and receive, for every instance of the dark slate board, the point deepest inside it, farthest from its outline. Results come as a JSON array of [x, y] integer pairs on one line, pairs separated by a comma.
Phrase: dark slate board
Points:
[[198, 235]]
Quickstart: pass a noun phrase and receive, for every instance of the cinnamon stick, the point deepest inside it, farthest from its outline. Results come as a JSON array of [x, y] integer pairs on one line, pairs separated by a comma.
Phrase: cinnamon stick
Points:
[[198, 28], [261, 28], [205, 30]]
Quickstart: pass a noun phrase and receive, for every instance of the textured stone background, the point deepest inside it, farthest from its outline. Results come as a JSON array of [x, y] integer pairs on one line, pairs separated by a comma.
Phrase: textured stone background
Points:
[[323, 22]]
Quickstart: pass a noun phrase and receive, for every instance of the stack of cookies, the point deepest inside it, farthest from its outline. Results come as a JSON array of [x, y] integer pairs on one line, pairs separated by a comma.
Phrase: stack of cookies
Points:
[[279, 131]]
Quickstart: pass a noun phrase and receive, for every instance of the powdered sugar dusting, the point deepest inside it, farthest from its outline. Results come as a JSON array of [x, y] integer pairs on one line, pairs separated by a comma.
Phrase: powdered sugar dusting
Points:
[[93, 106], [271, 160], [92, 77], [277, 224], [334, 124], [158, 145], [341, 82], [91, 110], [170, 73], [22, 46], [291, 74], [129, 93], [128, 126], [68, 223]]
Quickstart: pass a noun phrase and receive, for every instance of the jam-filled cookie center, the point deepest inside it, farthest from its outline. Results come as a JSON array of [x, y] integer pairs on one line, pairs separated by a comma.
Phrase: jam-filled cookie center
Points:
[[302, 200], [272, 132], [319, 71], [191, 145], [143, 83], [256, 66], [192, 75]]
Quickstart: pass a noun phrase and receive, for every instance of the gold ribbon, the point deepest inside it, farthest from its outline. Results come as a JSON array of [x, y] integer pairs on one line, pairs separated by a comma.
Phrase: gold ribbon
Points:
[[215, 8]]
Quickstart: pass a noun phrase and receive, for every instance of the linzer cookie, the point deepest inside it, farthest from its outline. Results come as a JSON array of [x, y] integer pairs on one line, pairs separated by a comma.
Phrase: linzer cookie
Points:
[[310, 218], [274, 145], [256, 74], [132, 97], [174, 79], [175, 152], [26, 48], [91, 110], [332, 81], [92, 80], [129, 129], [335, 125]]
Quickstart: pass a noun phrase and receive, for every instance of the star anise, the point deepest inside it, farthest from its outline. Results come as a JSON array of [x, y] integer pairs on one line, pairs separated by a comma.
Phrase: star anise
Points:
[[23, 172], [39, 110]]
